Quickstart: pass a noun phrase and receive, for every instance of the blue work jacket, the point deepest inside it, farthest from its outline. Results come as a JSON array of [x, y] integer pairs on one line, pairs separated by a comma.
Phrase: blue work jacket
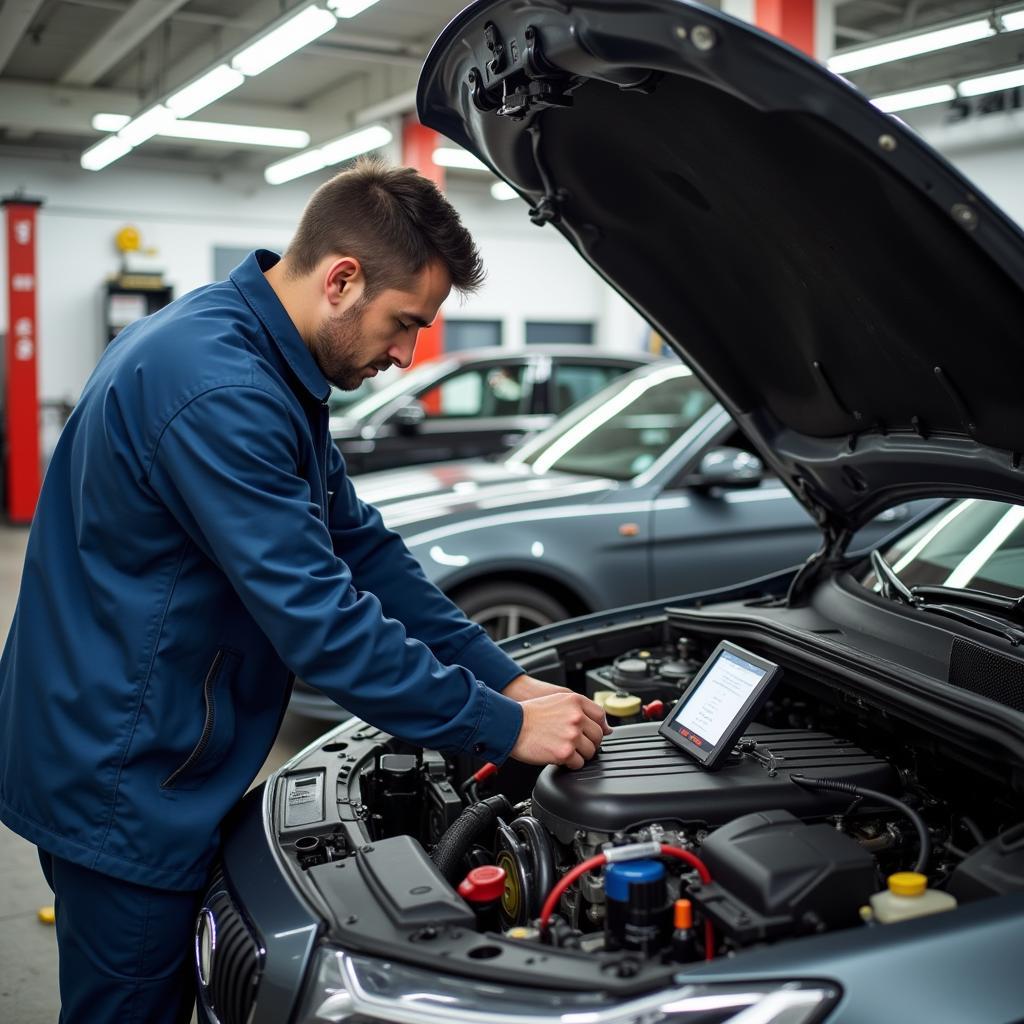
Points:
[[197, 542]]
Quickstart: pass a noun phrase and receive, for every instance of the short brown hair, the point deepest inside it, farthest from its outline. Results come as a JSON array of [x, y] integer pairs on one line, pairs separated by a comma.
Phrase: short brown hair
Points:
[[393, 220]]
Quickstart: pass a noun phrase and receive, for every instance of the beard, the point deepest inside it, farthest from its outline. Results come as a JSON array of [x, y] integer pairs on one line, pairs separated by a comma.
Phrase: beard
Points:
[[335, 346]]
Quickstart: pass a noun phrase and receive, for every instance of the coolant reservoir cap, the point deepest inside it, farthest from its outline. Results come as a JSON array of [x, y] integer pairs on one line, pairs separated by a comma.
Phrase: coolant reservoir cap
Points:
[[483, 884], [622, 705], [908, 883]]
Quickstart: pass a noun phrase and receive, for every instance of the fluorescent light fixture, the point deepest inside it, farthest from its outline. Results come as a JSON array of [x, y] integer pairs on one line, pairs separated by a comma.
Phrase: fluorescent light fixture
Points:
[[242, 134], [915, 98], [334, 152], [1013, 22], [205, 90], [146, 125], [501, 190], [992, 83], [109, 122], [349, 8], [447, 157], [309, 24], [911, 46], [362, 141], [294, 167], [106, 151]]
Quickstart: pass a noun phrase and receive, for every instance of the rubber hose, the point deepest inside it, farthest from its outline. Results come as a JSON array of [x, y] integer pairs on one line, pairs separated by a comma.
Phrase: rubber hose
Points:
[[460, 835], [532, 833], [925, 851]]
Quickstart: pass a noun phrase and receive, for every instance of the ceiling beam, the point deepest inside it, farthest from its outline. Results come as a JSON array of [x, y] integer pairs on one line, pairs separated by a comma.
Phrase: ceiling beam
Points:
[[15, 17], [127, 31]]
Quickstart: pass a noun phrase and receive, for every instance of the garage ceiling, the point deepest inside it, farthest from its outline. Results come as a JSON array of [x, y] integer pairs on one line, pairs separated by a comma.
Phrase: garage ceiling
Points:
[[62, 61]]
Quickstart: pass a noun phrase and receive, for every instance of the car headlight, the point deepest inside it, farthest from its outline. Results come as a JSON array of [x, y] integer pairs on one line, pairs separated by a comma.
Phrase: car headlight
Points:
[[347, 989]]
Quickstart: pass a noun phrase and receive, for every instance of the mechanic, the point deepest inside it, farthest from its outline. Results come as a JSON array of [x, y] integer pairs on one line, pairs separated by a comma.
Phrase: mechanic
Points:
[[197, 543]]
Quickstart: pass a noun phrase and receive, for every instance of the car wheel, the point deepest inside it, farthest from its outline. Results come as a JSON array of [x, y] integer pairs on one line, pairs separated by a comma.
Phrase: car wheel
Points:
[[504, 609]]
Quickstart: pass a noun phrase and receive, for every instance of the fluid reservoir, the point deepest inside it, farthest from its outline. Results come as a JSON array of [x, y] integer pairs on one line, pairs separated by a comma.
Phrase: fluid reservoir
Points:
[[622, 708], [638, 914], [908, 896]]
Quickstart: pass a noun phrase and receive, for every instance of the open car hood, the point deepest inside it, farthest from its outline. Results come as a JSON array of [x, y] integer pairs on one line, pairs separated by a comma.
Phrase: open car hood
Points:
[[851, 299]]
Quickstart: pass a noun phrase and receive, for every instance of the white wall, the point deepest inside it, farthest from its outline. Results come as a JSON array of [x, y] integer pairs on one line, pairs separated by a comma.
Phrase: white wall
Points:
[[532, 272]]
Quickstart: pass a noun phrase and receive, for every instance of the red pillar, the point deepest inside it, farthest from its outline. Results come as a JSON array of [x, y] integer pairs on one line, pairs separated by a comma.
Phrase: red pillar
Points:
[[418, 145], [23, 470], [790, 20]]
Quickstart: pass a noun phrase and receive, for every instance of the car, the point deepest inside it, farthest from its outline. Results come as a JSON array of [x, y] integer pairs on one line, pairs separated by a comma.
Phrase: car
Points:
[[469, 403], [845, 847], [646, 488]]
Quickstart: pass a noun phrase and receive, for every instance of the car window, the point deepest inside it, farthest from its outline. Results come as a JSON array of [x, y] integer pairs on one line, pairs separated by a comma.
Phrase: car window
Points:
[[573, 382], [623, 430], [969, 543], [479, 392]]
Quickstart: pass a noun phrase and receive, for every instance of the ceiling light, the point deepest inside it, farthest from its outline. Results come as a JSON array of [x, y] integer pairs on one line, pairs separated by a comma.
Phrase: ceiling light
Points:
[[106, 151], [109, 122], [1014, 21], [349, 8], [502, 190], [205, 90], [911, 46], [447, 157], [915, 98], [992, 83], [362, 141], [242, 134], [146, 125], [309, 24], [294, 167]]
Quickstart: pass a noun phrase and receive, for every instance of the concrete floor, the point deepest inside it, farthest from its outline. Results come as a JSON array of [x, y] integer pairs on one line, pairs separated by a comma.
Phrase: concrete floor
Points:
[[28, 952]]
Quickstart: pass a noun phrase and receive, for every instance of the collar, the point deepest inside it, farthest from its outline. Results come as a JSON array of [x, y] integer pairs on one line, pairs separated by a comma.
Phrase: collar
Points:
[[249, 280]]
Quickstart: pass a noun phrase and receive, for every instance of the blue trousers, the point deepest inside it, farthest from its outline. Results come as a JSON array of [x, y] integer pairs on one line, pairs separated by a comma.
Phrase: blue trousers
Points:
[[125, 949]]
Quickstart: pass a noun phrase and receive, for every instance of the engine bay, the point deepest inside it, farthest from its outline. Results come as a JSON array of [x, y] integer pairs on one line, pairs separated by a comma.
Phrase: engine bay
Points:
[[643, 862]]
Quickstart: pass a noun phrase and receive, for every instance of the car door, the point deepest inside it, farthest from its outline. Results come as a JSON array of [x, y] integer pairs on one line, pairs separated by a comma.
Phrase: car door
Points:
[[571, 381], [712, 536]]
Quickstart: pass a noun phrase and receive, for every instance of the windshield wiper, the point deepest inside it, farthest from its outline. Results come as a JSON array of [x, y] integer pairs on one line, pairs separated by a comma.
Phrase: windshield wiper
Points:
[[951, 601]]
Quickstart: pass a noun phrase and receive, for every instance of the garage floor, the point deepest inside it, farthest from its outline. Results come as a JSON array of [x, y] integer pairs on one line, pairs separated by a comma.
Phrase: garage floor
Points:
[[28, 952]]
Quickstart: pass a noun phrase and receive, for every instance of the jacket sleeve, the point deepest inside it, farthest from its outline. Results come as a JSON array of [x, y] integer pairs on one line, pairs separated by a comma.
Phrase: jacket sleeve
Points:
[[226, 466], [382, 564]]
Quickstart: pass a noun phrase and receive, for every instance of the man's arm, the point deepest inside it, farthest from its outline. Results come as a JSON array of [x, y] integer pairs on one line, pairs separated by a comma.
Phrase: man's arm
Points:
[[226, 467]]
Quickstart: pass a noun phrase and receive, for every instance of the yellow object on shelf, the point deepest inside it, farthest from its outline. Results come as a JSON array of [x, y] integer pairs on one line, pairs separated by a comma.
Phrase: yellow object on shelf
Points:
[[128, 239], [46, 915]]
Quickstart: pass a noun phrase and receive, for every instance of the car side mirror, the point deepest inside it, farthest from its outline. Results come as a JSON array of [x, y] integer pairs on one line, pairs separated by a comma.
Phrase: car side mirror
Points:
[[727, 467], [409, 418]]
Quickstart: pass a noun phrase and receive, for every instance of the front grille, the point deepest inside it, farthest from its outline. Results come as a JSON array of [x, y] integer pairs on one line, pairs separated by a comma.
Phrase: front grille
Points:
[[237, 959]]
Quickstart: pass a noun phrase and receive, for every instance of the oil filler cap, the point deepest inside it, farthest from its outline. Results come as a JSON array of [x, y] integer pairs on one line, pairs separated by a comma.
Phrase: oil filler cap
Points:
[[484, 884]]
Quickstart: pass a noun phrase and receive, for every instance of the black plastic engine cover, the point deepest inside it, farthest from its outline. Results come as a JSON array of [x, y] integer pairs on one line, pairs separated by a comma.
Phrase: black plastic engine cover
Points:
[[775, 875], [638, 776]]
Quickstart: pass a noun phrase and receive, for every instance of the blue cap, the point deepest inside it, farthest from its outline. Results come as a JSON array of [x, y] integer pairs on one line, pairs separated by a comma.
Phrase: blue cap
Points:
[[620, 876]]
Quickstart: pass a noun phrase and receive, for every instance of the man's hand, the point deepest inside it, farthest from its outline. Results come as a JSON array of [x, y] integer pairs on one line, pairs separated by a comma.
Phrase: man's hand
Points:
[[525, 687], [560, 728]]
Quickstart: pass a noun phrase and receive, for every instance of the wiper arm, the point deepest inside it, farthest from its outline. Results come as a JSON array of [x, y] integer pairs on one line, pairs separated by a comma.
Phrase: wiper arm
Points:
[[893, 588]]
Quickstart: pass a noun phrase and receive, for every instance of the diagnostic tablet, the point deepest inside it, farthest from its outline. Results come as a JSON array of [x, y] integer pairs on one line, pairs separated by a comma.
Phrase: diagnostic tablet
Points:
[[719, 704]]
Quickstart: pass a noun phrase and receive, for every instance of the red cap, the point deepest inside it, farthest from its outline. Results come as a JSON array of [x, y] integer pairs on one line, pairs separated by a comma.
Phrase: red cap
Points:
[[483, 884], [656, 709], [486, 772]]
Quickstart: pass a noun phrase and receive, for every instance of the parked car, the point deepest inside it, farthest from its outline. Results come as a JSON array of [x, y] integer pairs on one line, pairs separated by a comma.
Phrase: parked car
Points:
[[855, 305], [470, 403]]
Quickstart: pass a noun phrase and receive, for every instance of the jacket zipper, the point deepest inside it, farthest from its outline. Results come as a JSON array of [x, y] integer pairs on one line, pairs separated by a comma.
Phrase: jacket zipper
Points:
[[211, 711]]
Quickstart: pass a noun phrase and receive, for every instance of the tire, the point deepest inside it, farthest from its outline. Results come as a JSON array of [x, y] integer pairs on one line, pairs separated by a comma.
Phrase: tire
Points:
[[504, 609]]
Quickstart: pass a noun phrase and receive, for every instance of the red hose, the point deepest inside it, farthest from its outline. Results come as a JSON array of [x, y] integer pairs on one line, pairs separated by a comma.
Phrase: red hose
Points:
[[596, 861]]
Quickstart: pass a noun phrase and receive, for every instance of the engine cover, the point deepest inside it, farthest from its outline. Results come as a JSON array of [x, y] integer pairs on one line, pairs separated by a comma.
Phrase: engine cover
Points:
[[638, 777]]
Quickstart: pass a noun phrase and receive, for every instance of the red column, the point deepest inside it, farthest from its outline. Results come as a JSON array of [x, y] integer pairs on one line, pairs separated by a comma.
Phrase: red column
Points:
[[791, 20], [418, 145], [23, 471]]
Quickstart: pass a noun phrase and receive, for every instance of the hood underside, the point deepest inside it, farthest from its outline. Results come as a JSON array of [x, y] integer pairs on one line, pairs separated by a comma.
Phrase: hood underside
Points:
[[850, 298]]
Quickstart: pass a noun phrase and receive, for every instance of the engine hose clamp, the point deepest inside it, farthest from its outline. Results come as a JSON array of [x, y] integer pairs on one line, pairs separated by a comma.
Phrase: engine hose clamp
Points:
[[632, 851]]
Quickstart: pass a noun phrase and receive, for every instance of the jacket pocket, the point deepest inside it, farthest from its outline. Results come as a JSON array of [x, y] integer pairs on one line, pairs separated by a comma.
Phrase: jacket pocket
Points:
[[218, 724]]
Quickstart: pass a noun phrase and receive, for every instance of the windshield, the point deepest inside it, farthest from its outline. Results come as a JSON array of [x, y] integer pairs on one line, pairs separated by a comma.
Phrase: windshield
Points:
[[623, 429], [970, 543]]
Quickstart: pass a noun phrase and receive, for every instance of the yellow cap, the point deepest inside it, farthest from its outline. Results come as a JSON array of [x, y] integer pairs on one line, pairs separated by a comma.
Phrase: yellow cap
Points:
[[46, 915], [601, 697], [622, 705], [908, 883]]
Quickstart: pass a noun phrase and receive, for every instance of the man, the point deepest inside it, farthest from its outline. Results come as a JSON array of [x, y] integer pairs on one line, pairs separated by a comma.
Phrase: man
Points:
[[196, 543]]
